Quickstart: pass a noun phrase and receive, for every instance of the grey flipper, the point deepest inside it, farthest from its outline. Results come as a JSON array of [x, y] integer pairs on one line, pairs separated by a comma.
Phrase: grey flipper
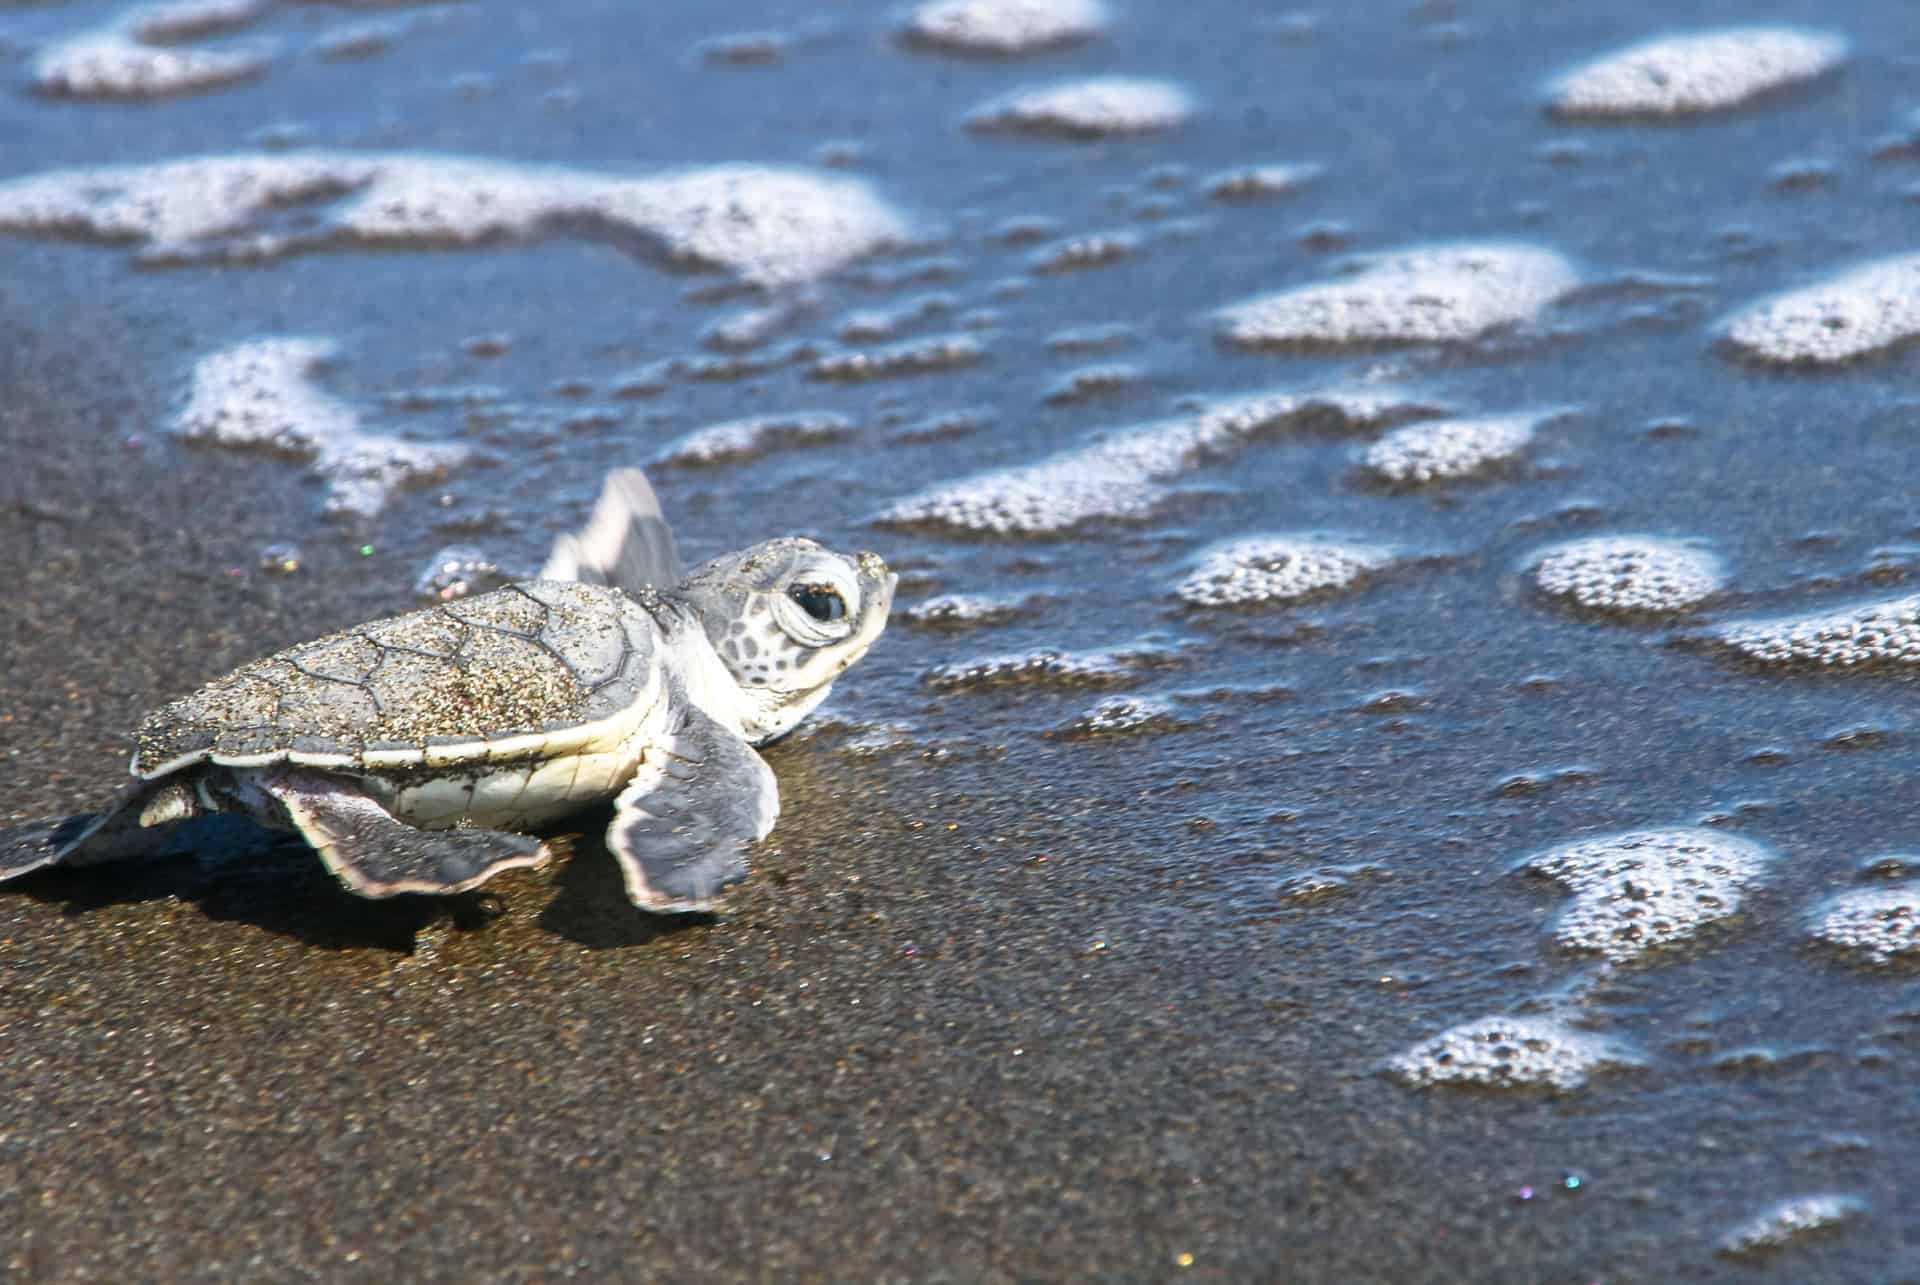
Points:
[[39, 844], [377, 856], [626, 543], [681, 827], [97, 837]]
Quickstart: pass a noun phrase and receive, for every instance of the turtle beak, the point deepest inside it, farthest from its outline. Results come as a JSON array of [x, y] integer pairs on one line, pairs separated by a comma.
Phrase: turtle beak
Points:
[[873, 566]]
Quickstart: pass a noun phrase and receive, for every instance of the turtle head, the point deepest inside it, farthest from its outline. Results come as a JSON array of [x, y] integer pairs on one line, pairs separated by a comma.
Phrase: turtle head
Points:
[[786, 618]]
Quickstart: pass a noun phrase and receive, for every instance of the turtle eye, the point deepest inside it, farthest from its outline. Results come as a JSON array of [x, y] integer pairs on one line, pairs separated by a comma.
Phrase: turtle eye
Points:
[[821, 601]]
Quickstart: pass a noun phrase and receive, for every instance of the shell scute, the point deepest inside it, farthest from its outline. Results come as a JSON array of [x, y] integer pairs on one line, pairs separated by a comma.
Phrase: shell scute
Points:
[[507, 665], [323, 709], [247, 742], [432, 634], [339, 658], [511, 610]]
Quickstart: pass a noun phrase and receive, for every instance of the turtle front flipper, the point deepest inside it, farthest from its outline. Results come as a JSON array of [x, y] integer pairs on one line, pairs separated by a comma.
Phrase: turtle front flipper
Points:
[[681, 826], [626, 543], [377, 856]]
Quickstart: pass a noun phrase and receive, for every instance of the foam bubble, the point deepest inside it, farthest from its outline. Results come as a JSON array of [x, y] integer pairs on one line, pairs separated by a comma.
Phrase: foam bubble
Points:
[[457, 571], [1790, 1222], [751, 327], [127, 59], [1646, 889], [1114, 477], [1903, 143], [1090, 382], [1098, 250], [1847, 316], [281, 558], [873, 324], [1121, 715], [942, 426], [175, 206], [186, 19], [746, 49], [1682, 75], [1875, 925], [741, 438], [1428, 295], [1047, 667], [1256, 181], [1511, 1053], [1279, 568], [1004, 26], [1089, 339], [359, 40], [962, 610], [1873, 633], [770, 226], [864, 740], [1449, 448], [1088, 108], [911, 357], [260, 394], [1629, 574]]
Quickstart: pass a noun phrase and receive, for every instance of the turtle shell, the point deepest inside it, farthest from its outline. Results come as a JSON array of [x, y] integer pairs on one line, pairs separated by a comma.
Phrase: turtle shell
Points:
[[524, 671]]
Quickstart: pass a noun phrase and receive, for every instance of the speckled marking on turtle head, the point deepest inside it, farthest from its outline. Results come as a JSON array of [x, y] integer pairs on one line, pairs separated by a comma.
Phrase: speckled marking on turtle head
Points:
[[782, 656]]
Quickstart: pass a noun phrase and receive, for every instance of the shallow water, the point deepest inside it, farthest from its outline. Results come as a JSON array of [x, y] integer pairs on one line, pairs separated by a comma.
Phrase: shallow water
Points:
[[1088, 988]]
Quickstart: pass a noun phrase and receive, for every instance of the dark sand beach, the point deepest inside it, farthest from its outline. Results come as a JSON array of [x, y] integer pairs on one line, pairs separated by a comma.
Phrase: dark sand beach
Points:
[[1015, 993]]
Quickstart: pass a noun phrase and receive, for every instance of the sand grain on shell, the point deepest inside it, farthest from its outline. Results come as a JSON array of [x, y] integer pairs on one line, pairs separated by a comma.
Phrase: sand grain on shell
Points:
[[1637, 892], [261, 395], [1510, 1053], [1683, 75], [1842, 318], [1433, 294]]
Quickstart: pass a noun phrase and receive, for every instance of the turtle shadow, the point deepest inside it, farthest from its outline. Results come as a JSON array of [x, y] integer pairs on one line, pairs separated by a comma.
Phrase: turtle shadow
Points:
[[590, 906], [234, 870]]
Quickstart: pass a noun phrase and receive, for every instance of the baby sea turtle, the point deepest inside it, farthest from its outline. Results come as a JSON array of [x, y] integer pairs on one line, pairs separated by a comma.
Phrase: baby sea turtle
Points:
[[413, 751]]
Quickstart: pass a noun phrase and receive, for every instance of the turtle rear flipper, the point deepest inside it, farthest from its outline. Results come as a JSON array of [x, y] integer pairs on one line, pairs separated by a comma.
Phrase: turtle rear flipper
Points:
[[95, 838], [40, 844], [377, 856], [681, 826]]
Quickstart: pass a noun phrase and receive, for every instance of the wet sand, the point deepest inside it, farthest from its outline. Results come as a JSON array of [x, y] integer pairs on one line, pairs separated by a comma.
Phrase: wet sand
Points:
[[933, 1042], [1000, 1004]]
